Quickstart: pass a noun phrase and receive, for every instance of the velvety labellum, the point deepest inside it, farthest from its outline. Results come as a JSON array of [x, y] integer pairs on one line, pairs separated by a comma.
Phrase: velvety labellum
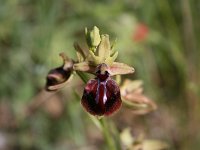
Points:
[[101, 96]]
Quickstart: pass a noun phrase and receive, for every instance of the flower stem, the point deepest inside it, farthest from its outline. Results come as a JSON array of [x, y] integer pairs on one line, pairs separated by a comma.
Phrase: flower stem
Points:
[[83, 76], [107, 135]]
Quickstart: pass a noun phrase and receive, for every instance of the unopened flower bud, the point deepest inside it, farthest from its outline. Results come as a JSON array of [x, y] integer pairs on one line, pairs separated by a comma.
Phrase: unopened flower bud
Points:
[[93, 37]]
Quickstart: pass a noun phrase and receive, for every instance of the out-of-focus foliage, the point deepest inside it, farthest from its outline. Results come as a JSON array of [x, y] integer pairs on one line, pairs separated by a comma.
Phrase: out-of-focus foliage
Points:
[[159, 38]]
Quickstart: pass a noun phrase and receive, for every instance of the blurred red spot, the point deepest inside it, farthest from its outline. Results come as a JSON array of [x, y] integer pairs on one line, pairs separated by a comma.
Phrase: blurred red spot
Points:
[[140, 33]]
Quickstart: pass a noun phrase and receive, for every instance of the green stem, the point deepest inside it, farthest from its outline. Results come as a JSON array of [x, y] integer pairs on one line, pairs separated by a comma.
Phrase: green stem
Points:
[[83, 76], [107, 135]]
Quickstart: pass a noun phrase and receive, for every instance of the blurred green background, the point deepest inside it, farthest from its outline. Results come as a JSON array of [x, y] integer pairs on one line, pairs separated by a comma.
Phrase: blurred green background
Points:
[[159, 38]]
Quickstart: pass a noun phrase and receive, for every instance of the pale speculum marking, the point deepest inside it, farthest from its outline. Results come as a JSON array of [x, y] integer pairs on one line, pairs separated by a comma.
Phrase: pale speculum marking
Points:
[[101, 96]]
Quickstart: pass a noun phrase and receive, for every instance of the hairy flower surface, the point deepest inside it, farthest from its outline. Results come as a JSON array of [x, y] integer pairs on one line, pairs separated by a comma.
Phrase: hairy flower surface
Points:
[[101, 95]]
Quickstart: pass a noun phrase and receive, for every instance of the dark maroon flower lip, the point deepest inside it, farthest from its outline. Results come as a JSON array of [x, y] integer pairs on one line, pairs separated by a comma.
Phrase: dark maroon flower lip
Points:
[[101, 98], [101, 95]]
